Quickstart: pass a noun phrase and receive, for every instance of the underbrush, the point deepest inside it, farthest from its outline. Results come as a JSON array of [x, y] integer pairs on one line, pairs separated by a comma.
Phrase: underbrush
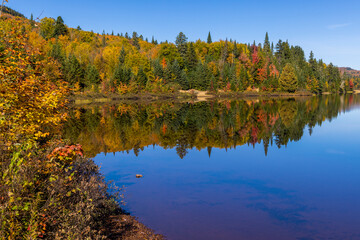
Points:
[[53, 194]]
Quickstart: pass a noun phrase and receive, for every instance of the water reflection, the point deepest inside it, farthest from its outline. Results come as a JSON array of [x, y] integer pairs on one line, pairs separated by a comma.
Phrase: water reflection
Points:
[[203, 125]]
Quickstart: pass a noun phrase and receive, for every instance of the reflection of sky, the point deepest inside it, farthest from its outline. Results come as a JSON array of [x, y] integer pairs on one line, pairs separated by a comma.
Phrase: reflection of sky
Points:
[[308, 190]]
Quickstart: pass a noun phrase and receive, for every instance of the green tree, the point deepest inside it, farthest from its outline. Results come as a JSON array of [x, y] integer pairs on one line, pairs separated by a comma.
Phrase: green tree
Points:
[[121, 75], [267, 48], [74, 73], [191, 59], [47, 26], [181, 43], [141, 78], [209, 39], [92, 77], [60, 28], [288, 80]]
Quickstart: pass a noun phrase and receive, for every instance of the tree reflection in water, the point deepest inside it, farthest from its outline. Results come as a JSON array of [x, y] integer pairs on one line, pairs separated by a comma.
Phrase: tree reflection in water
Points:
[[220, 124]]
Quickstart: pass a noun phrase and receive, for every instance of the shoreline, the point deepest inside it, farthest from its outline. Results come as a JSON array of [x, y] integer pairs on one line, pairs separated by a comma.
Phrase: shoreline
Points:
[[189, 95]]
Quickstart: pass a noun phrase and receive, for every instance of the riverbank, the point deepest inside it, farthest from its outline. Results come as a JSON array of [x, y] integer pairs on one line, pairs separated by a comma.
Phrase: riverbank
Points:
[[182, 95]]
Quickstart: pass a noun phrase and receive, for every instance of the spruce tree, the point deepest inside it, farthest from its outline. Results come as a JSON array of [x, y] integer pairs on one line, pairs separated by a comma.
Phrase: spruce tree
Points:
[[181, 43], [74, 73], [209, 40], [236, 51], [92, 77], [141, 78], [190, 59], [288, 80], [122, 56], [32, 22], [60, 28], [267, 47], [103, 39]]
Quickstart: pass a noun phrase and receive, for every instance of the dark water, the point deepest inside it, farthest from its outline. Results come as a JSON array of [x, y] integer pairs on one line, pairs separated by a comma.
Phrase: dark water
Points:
[[256, 169]]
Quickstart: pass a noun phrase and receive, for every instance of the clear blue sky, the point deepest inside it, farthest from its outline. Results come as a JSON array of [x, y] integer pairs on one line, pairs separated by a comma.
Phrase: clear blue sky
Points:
[[329, 28]]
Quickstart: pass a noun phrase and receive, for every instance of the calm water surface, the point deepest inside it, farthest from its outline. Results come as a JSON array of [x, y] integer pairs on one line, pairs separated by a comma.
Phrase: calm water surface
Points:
[[256, 169]]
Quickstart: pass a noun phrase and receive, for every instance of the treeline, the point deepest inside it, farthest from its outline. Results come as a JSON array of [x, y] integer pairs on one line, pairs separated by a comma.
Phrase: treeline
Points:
[[131, 127], [11, 12], [122, 63]]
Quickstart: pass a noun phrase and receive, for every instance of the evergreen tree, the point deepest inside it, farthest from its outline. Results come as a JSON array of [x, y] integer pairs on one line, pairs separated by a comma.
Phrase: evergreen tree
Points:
[[135, 40], [32, 22], [74, 73], [122, 56], [209, 40], [225, 52], [288, 80], [181, 44], [158, 70], [103, 39], [121, 75], [236, 51], [56, 52], [267, 48], [141, 78], [92, 77], [60, 28], [191, 59], [179, 75]]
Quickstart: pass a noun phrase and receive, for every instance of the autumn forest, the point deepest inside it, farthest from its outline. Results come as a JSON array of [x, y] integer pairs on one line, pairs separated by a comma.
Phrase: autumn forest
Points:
[[51, 188]]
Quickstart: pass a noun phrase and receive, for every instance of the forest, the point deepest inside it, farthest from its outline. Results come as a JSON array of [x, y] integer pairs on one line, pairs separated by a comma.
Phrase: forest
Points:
[[128, 63], [49, 190]]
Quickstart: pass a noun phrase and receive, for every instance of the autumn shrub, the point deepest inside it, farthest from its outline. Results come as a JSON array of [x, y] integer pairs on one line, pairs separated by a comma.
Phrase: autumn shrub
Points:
[[54, 193], [47, 190]]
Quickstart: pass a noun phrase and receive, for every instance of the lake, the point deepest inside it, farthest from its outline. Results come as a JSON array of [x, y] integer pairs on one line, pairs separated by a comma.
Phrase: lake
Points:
[[231, 169]]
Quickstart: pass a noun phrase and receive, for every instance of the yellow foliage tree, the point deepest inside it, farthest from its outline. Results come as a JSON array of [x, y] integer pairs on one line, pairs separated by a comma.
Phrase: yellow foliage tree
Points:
[[30, 88]]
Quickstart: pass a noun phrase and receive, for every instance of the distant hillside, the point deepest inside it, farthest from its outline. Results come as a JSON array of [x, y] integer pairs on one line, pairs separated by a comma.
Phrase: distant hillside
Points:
[[12, 12], [349, 71]]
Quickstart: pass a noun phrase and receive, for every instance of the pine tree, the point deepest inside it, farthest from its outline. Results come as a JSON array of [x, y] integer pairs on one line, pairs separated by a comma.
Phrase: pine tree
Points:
[[122, 56], [181, 43], [103, 39], [288, 80], [56, 52], [74, 73], [191, 59], [135, 40], [121, 75], [209, 40], [267, 48], [141, 78], [32, 22], [236, 51], [60, 28], [92, 77]]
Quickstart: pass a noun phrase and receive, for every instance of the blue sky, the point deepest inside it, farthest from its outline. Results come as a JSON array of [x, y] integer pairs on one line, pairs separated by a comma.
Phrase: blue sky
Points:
[[329, 28]]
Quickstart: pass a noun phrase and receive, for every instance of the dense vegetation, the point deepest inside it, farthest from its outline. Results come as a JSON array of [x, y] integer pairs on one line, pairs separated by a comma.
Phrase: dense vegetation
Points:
[[225, 124], [48, 190], [122, 63]]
